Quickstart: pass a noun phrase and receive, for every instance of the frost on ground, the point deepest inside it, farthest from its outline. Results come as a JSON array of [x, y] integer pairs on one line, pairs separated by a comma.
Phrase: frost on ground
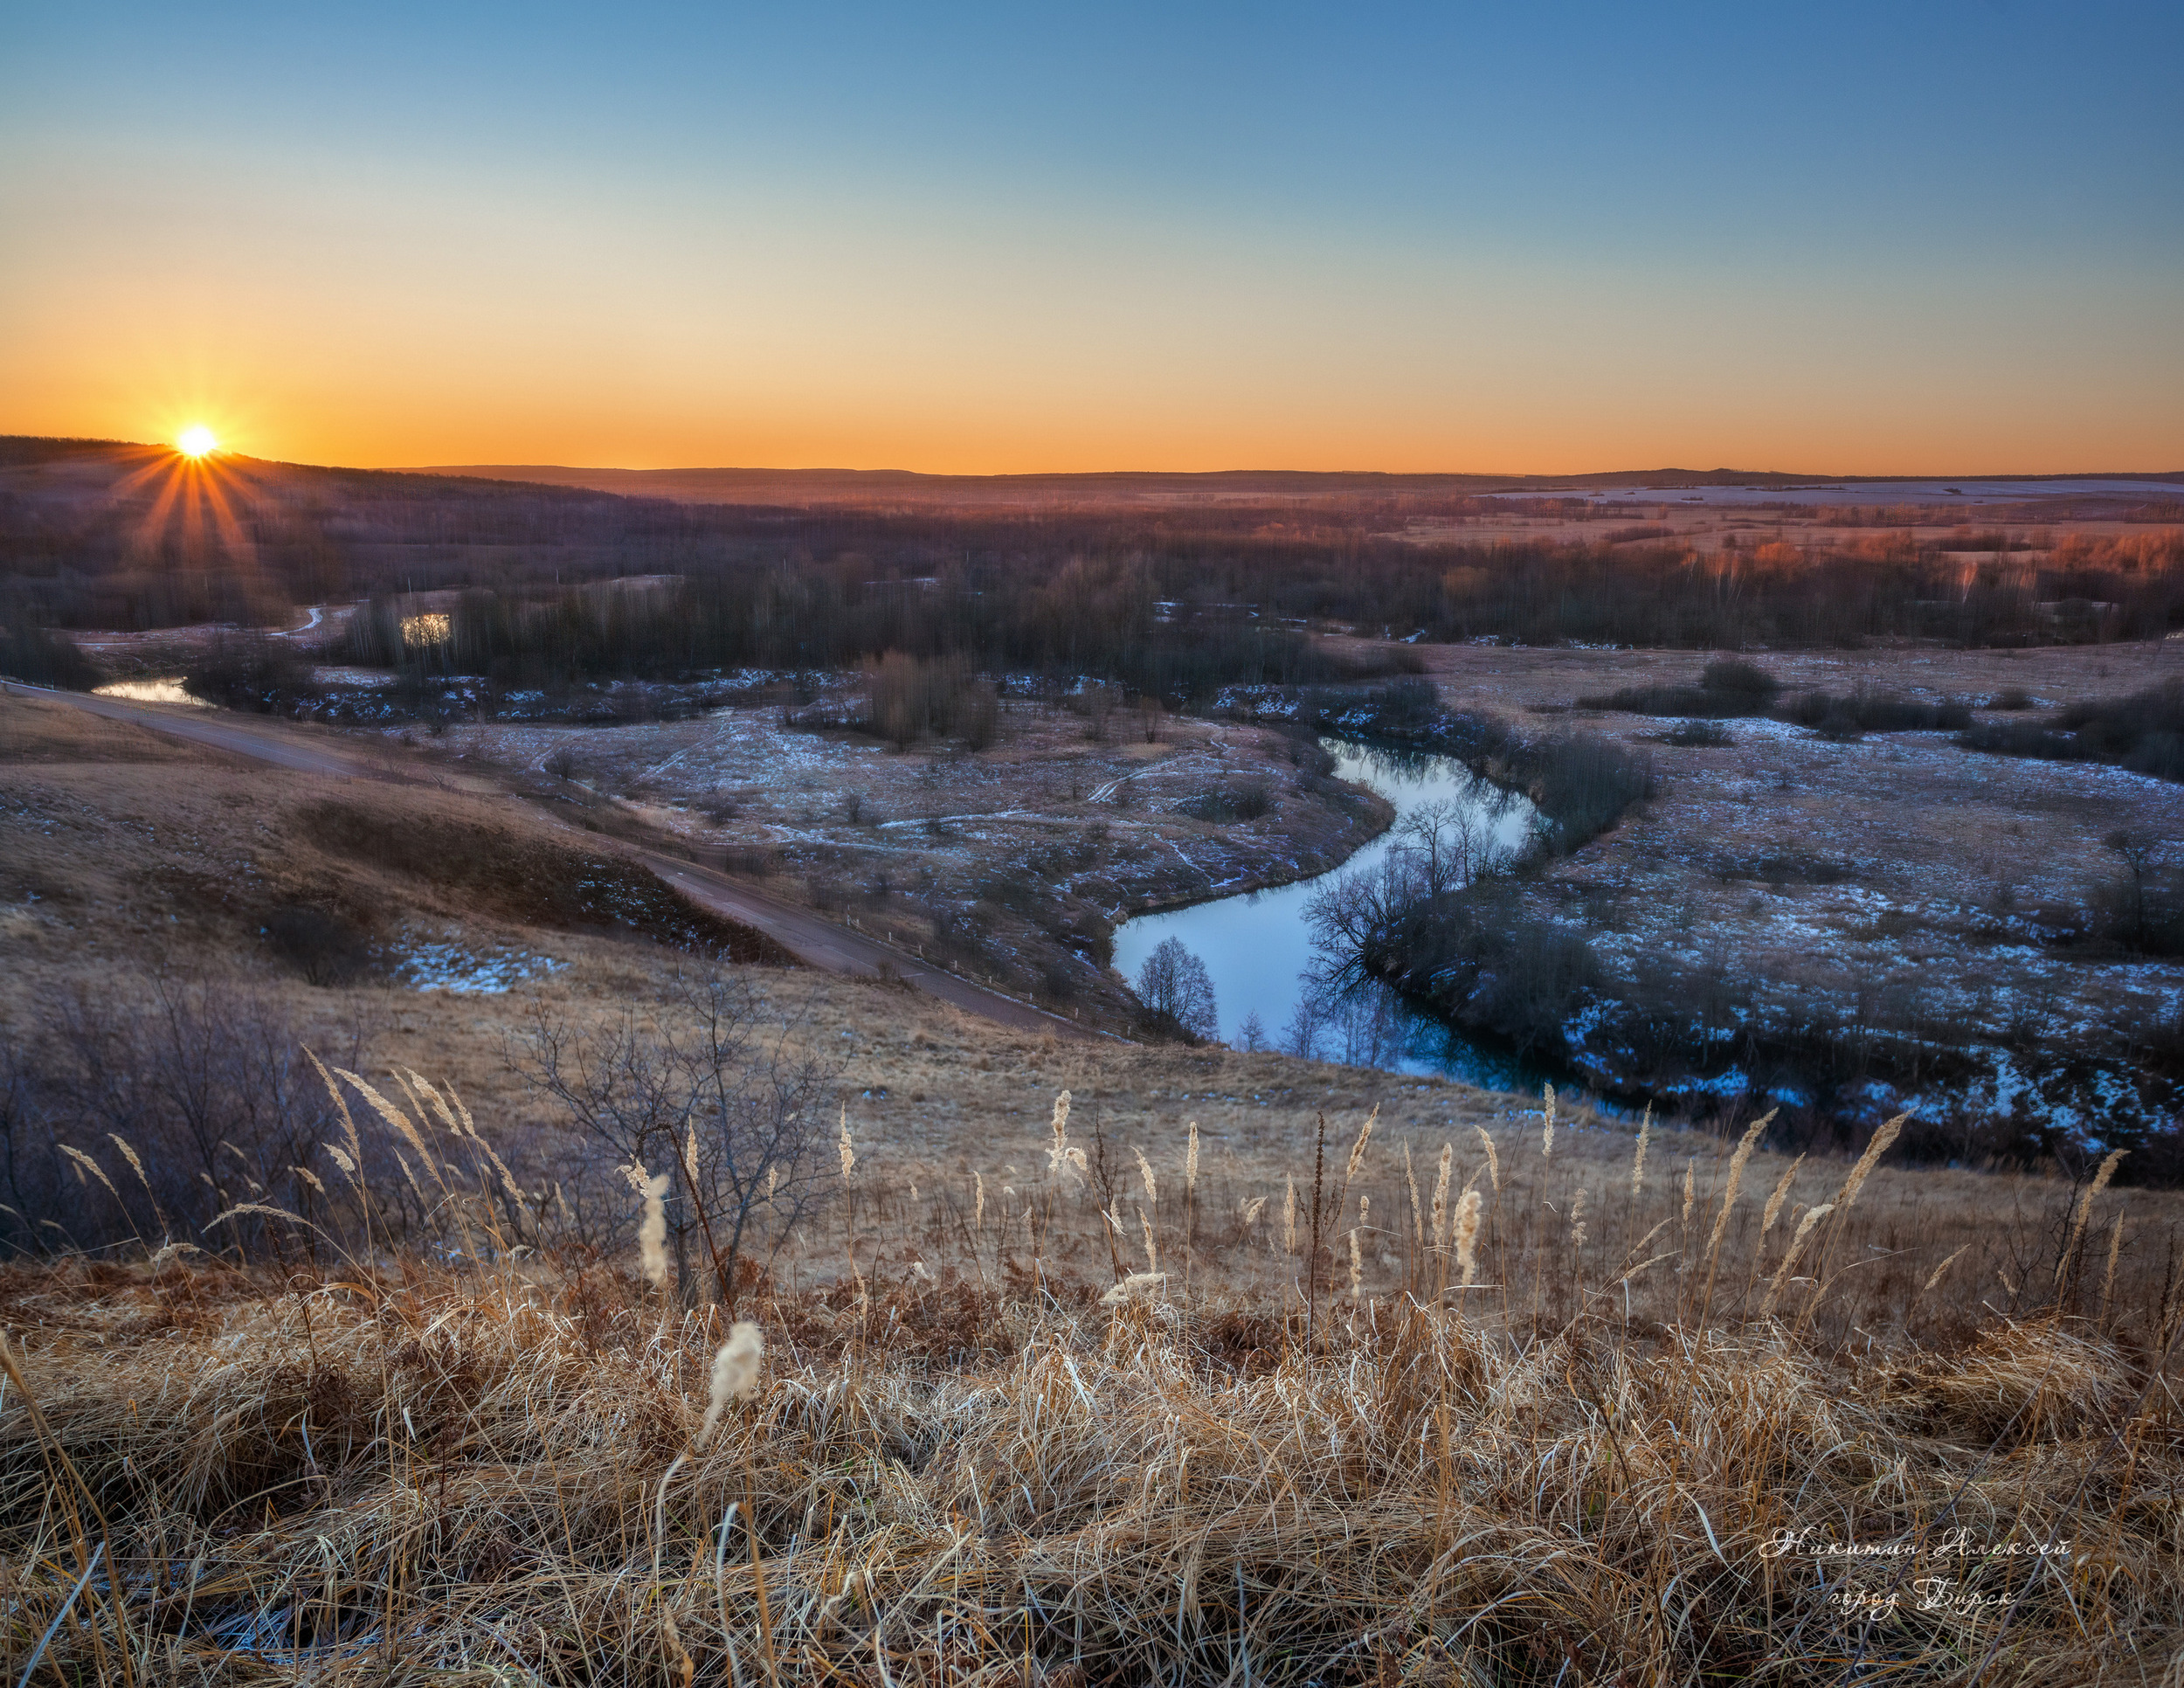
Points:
[[1907, 915], [426, 965], [1012, 863]]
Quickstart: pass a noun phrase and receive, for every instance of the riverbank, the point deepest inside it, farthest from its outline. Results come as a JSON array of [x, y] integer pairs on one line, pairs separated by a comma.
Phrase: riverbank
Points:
[[1012, 863], [1841, 924]]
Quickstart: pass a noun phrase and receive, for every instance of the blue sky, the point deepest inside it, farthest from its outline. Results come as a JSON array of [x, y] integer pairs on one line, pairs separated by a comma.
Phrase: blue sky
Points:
[[1013, 237]]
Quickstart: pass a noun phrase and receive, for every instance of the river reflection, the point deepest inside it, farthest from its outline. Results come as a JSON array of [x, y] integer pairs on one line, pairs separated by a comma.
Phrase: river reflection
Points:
[[1258, 947]]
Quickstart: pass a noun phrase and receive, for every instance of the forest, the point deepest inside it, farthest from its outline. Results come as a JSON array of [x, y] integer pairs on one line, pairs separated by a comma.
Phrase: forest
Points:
[[1177, 599]]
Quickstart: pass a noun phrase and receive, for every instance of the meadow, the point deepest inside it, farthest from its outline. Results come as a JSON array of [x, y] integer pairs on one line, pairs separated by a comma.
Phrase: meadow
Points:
[[1556, 1402]]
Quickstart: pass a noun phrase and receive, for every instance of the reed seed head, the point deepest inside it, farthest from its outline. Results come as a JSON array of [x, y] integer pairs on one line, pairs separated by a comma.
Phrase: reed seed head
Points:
[[1938, 1272], [1813, 1217], [651, 1229], [1468, 1237], [735, 1374], [1493, 1160], [1638, 1160], [1138, 1284], [1775, 1201], [1358, 1149], [1863, 1170], [1736, 1162], [1547, 1128]]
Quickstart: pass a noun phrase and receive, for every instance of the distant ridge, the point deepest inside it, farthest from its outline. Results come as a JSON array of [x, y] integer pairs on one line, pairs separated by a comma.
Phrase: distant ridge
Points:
[[796, 485], [1153, 487]]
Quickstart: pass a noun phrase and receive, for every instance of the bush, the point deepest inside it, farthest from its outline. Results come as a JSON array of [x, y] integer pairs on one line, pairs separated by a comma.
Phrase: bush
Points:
[[39, 658], [326, 947], [1864, 712], [1483, 960], [1733, 676], [1696, 734], [1727, 687], [2143, 732], [1582, 785], [1244, 802], [264, 675]]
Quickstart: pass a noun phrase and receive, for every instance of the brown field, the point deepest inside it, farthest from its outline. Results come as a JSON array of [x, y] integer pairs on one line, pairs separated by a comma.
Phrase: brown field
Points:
[[457, 1438], [1020, 856], [1498, 1432]]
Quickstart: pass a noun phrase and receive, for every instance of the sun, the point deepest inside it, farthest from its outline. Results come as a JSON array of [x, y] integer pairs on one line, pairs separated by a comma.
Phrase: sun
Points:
[[196, 441]]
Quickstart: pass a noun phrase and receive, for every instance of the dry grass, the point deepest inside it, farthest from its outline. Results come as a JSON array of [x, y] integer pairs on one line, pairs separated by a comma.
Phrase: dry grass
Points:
[[964, 1465]]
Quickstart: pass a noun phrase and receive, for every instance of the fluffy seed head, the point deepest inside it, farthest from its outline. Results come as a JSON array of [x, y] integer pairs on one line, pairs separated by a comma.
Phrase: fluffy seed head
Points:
[[1789, 1258], [1468, 1237], [1144, 1171], [1441, 1195], [652, 1230], [1938, 1270], [1493, 1160], [1690, 1188], [1137, 1284], [1057, 1151], [1577, 1219], [1547, 1128], [1191, 1163], [1252, 1208], [848, 1148], [2106, 1170], [735, 1374], [1289, 1219], [1638, 1160]]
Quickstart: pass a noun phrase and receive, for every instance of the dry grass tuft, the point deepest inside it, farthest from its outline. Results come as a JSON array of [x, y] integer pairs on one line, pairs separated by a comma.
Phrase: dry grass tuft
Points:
[[992, 1453]]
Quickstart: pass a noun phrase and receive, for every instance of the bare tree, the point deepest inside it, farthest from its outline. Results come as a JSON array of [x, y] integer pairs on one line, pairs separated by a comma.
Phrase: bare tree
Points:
[[717, 1090], [1175, 983]]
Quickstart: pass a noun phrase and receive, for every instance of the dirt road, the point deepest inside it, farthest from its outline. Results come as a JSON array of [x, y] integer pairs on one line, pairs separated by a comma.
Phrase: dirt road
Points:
[[816, 943]]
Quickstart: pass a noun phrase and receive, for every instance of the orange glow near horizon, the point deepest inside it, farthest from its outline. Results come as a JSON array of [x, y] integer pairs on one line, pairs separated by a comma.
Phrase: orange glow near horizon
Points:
[[193, 496], [1220, 373]]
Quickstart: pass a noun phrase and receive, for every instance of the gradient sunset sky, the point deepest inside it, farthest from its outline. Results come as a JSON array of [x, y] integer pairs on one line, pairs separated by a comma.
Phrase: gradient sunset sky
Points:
[[1891, 238]]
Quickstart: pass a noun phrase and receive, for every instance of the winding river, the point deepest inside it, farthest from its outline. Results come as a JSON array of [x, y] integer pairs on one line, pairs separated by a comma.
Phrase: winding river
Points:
[[1258, 948]]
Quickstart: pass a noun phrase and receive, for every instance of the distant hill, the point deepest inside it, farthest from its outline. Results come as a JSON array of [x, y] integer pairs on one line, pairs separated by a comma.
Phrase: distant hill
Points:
[[805, 486], [907, 487]]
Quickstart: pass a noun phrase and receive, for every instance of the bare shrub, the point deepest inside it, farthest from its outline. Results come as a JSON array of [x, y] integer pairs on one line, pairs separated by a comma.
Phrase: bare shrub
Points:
[[712, 1086]]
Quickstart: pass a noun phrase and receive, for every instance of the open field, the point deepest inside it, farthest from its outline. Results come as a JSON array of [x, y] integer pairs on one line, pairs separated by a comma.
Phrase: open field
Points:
[[1683, 1425], [1016, 860], [1891, 885], [458, 1433]]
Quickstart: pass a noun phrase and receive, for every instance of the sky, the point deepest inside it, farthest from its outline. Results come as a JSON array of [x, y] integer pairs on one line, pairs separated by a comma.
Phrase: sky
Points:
[[1939, 238]]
